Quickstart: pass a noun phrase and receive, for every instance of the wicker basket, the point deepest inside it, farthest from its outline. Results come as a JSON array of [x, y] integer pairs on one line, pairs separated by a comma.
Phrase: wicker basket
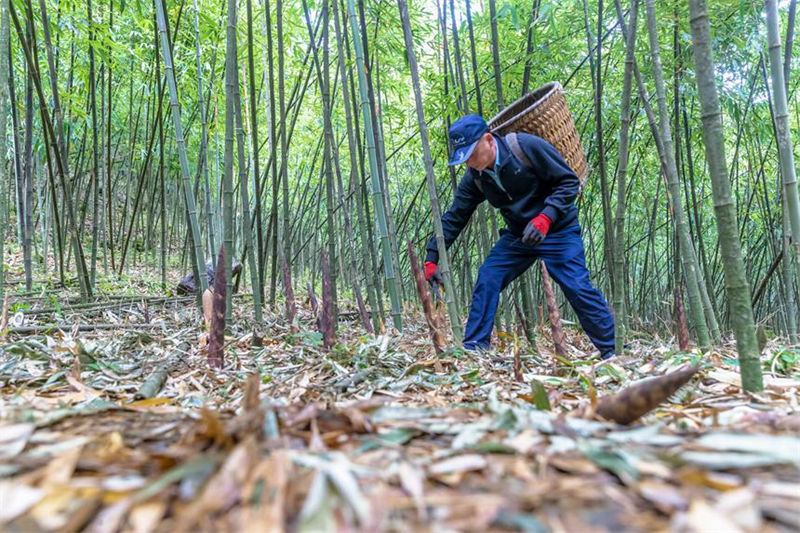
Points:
[[544, 112]]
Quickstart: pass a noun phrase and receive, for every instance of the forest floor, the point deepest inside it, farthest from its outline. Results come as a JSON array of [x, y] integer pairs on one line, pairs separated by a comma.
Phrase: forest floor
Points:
[[369, 436]]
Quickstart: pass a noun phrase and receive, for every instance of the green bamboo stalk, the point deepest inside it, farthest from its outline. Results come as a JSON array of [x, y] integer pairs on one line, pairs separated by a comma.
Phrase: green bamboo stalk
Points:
[[378, 200], [619, 285], [95, 146], [227, 177], [161, 20], [233, 72], [498, 80], [203, 162], [354, 178], [783, 133], [330, 162], [259, 244], [688, 259], [736, 285], [286, 234], [4, 161], [436, 213]]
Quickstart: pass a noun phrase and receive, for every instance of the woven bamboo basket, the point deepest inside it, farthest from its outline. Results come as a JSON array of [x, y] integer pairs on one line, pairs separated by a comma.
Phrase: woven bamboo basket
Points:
[[544, 113]]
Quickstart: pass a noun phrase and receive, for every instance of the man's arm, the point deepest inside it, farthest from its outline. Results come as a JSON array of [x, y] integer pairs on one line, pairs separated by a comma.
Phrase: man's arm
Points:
[[465, 200], [551, 168]]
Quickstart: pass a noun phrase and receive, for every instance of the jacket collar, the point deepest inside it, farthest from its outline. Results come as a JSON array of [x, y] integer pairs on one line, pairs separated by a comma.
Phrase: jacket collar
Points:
[[504, 156], [503, 151]]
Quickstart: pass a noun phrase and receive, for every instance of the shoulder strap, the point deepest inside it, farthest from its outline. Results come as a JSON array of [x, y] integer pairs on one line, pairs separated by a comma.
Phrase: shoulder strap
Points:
[[478, 184], [516, 149]]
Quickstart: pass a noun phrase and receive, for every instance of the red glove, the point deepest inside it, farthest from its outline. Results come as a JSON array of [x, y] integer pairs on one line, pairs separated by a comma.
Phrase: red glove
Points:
[[434, 277], [536, 230], [431, 270]]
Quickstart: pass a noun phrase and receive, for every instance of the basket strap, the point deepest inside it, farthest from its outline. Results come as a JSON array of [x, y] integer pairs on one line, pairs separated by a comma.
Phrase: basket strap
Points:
[[516, 149]]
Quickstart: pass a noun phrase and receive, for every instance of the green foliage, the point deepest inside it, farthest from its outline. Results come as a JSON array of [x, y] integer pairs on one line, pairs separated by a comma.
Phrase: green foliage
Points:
[[307, 337], [784, 361]]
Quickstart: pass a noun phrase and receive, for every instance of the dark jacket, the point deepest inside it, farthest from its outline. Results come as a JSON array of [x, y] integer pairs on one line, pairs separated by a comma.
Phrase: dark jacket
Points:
[[548, 186]]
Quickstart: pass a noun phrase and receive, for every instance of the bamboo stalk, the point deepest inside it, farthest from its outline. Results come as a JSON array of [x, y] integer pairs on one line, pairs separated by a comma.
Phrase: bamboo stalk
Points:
[[378, 201], [737, 287], [155, 381], [430, 179], [328, 316], [619, 286], [191, 209], [556, 328]]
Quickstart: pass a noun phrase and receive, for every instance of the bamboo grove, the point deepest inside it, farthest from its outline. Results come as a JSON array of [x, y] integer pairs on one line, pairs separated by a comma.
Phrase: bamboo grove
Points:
[[139, 137]]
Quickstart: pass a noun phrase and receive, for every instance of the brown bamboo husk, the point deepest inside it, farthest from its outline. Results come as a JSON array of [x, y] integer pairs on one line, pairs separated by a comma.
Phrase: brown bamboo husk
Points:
[[216, 340], [635, 401], [556, 328], [428, 307], [327, 319], [544, 113]]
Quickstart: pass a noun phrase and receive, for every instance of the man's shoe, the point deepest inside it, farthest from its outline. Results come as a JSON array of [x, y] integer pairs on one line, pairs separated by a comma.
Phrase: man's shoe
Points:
[[475, 347], [608, 354]]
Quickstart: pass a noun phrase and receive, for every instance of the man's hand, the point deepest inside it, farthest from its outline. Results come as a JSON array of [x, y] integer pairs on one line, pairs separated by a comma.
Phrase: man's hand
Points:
[[432, 273], [536, 230], [434, 277]]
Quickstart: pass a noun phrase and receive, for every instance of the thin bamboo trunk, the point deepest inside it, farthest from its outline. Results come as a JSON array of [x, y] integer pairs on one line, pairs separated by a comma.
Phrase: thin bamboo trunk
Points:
[[688, 259], [228, 206], [498, 81], [464, 107], [596, 66], [244, 191], [473, 56], [203, 159], [198, 260], [378, 200], [380, 147], [109, 225], [327, 318], [330, 161], [5, 184], [355, 189], [273, 221], [528, 308], [286, 235], [26, 193], [526, 76], [783, 134], [162, 176], [444, 260], [258, 244], [620, 286], [95, 146]]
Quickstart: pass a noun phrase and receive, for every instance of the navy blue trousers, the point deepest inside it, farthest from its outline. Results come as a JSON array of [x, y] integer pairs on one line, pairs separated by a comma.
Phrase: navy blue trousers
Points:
[[562, 253]]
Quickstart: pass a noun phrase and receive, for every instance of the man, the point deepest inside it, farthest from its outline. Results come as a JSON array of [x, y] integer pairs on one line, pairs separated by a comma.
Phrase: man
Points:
[[187, 285], [525, 178]]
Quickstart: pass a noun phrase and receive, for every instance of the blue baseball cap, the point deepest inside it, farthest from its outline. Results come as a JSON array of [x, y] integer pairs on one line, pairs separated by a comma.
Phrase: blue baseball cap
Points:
[[464, 135]]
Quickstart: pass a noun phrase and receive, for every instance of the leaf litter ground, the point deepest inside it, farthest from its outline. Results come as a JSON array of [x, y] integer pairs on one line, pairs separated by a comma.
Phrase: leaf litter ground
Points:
[[370, 436]]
